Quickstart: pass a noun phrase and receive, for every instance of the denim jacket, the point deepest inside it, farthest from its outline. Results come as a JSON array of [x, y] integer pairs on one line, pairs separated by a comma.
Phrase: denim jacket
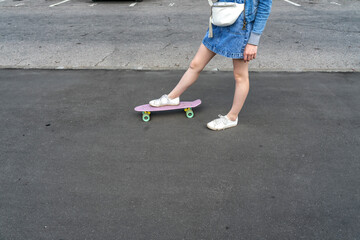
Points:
[[257, 11]]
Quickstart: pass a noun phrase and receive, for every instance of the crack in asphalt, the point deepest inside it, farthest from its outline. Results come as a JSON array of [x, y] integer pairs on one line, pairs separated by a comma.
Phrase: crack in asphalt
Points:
[[20, 61], [106, 57]]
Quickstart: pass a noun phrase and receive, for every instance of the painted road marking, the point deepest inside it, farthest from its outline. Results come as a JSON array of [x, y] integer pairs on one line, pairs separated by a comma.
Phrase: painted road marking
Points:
[[171, 4], [336, 3], [20, 4], [92, 4], [53, 5], [133, 4], [298, 5]]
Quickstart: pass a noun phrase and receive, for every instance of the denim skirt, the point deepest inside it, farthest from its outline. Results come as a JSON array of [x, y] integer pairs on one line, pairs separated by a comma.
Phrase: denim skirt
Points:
[[229, 41]]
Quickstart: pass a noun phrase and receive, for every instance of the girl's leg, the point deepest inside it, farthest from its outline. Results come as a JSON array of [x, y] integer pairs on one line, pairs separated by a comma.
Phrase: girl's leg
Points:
[[241, 75], [201, 59]]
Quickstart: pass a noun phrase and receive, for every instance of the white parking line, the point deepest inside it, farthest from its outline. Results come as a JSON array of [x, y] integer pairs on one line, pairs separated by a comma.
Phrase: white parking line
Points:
[[53, 5], [171, 4], [298, 5], [20, 4], [133, 4], [94, 4], [336, 3]]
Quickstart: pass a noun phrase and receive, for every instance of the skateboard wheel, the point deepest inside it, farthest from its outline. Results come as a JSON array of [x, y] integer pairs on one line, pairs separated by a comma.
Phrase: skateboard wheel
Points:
[[145, 117], [189, 113]]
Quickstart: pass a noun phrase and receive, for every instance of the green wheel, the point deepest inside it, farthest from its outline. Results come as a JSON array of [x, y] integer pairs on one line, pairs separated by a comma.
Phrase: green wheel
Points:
[[189, 113], [145, 117]]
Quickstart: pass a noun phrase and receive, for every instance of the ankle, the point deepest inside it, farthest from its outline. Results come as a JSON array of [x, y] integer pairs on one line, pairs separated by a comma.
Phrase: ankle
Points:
[[231, 117], [171, 97]]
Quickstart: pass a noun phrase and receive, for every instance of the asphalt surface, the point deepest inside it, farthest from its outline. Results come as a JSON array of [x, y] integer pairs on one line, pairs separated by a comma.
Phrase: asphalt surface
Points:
[[317, 35], [77, 162]]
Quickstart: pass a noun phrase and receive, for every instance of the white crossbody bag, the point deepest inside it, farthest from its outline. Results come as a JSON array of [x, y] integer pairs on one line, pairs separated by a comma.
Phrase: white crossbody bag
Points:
[[224, 14]]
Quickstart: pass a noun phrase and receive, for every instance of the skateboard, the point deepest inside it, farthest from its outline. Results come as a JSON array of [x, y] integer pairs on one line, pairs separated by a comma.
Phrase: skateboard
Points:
[[146, 109]]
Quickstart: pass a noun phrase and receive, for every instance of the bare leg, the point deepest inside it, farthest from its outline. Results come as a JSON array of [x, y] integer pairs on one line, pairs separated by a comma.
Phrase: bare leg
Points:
[[201, 59], [241, 75]]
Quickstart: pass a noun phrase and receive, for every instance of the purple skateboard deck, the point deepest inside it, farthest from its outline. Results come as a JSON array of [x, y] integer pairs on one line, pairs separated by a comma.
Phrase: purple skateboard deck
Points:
[[146, 109]]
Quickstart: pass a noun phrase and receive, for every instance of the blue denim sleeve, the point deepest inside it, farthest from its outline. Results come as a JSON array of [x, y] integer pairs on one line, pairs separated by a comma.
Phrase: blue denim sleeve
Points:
[[262, 14]]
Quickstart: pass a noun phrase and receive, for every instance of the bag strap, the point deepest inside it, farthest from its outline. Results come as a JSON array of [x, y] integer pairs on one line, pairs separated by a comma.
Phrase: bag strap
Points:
[[210, 19], [244, 22]]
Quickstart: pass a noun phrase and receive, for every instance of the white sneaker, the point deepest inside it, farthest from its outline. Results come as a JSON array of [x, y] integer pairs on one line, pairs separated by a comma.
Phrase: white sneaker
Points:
[[221, 123], [165, 101]]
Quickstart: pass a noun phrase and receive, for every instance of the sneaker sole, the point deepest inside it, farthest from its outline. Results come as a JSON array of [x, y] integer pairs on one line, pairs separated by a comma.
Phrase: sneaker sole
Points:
[[214, 129], [165, 105]]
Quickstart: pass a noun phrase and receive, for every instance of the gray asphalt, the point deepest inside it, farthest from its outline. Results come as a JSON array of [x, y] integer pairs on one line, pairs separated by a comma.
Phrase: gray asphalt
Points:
[[77, 162], [318, 35]]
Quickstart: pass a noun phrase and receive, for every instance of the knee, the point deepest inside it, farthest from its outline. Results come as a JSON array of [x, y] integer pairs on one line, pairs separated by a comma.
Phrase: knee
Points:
[[196, 66], [241, 78]]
